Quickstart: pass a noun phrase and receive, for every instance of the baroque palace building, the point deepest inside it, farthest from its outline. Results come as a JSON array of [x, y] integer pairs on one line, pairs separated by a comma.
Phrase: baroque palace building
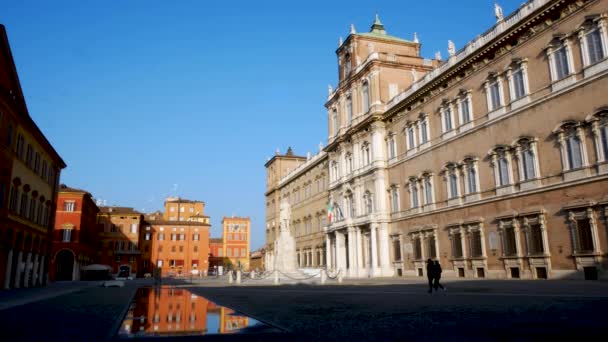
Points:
[[29, 178], [493, 161], [301, 181]]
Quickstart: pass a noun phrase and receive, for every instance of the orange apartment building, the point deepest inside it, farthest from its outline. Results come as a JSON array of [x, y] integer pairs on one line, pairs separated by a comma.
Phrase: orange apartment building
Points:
[[235, 240], [75, 234], [119, 231], [178, 240], [29, 174]]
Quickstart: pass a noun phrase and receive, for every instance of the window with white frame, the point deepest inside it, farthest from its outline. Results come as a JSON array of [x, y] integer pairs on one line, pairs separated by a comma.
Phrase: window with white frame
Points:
[[69, 206], [472, 177], [366, 153], [570, 136], [365, 97], [424, 129], [599, 127], [518, 84], [394, 198], [494, 93], [334, 170], [134, 228], [414, 196], [527, 157], [447, 118], [452, 180], [352, 207], [559, 59], [411, 136], [465, 108], [501, 161], [592, 37], [349, 109], [369, 202], [391, 146], [428, 188]]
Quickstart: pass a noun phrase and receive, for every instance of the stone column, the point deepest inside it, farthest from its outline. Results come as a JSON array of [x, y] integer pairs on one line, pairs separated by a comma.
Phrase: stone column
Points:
[[384, 252], [340, 252], [35, 268], [352, 245], [327, 252], [41, 272], [9, 266], [28, 267], [18, 270], [359, 253], [374, 256]]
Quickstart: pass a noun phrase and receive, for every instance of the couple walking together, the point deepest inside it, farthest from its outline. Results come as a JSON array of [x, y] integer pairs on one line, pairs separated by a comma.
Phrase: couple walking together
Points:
[[433, 272]]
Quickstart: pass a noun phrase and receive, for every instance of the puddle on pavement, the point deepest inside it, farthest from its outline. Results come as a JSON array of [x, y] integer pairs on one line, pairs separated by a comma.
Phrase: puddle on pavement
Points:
[[167, 311]]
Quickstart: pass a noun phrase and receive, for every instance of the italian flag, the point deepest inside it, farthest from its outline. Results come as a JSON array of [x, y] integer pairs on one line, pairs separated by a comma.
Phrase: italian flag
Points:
[[330, 211]]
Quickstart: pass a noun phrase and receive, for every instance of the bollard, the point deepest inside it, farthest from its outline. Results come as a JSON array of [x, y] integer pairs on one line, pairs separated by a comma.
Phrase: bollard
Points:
[[340, 277], [252, 275], [238, 276], [230, 278], [323, 277], [276, 277]]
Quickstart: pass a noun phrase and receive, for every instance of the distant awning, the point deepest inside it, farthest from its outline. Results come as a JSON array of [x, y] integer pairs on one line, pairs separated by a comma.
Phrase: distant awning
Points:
[[96, 267]]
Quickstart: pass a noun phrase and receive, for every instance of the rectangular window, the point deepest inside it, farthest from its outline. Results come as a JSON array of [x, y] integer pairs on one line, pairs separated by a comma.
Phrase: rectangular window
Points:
[[447, 119], [395, 200], [428, 188], [431, 247], [195, 237], [29, 156], [44, 170], [503, 171], [66, 235], [528, 164], [536, 240], [573, 150], [243, 254], [472, 179], [585, 238], [562, 69], [37, 163], [464, 109], [414, 195], [159, 263], [518, 84], [457, 245], [220, 253], [147, 237], [453, 185], [397, 250], [410, 137], [229, 252], [20, 146], [509, 243], [24, 202], [134, 228], [182, 237], [594, 46], [418, 249], [495, 95], [423, 131], [604, 140], [476, 251], [69, 206]]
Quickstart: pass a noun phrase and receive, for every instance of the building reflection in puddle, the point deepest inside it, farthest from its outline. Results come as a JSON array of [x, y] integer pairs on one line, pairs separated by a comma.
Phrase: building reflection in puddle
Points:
[[169, 311]]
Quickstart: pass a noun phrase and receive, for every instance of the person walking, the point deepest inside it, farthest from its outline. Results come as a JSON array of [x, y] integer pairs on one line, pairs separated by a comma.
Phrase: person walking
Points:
[[437, 276], [430, 273]]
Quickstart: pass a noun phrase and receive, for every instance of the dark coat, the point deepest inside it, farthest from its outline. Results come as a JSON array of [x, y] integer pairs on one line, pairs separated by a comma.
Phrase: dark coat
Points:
[[437, 270]]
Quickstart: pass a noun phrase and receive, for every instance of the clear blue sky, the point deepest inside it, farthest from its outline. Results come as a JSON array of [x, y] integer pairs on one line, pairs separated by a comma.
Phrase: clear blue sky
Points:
[[138, 96]]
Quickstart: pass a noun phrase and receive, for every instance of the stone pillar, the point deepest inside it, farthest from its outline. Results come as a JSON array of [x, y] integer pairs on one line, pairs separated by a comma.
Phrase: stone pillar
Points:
[[41, 271], [384, 251], [351, 252], [374, 256], [359, 246], [35, 268], [327, 251], [340, 252], [9, 266], [28, 267], [75, 270], [18, 270], [238, 276]]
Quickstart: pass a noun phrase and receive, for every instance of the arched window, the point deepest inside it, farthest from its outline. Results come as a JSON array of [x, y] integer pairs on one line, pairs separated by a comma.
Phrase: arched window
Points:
[[365, 97]]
